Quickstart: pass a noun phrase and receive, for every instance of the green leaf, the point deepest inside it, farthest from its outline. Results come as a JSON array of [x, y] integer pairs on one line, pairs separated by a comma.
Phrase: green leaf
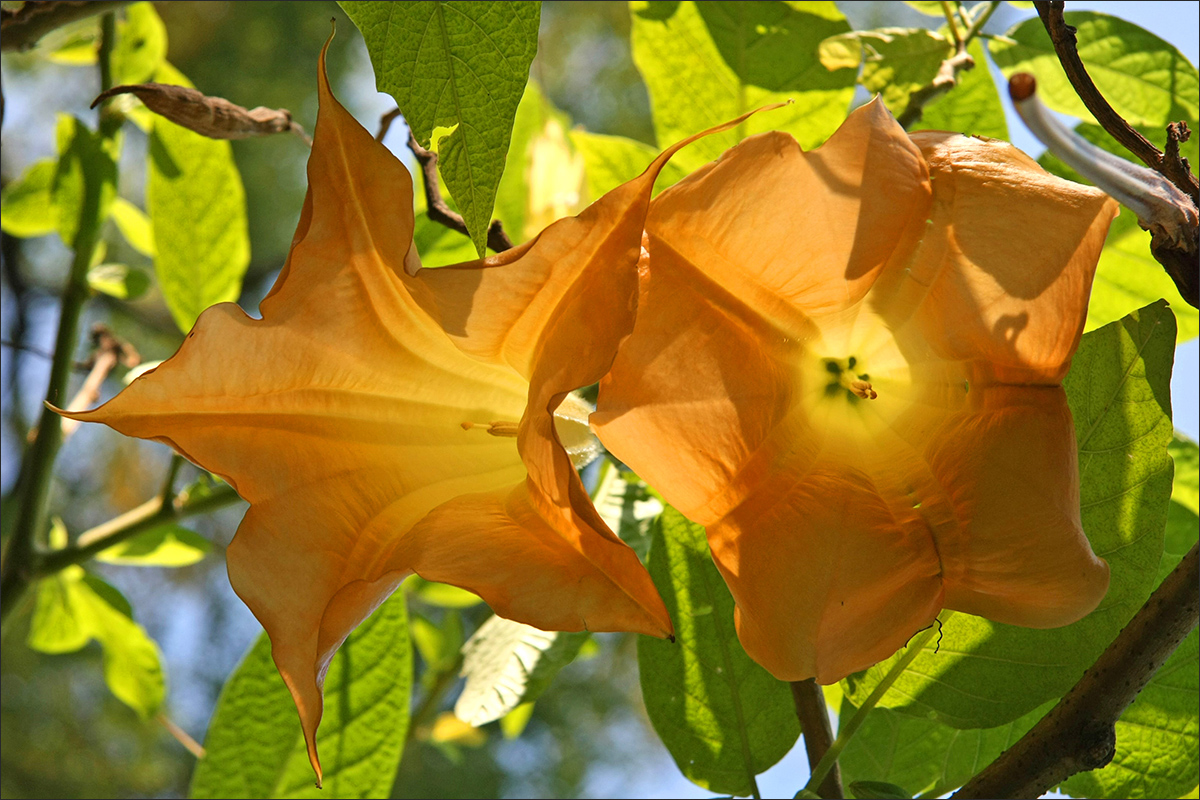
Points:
[[458, 65], [543, 177], [141, 45], [254, 747], [168, 546], [706, 63], [118, 280], [441, 594], [27, 203], [512, 724], [507, 664], [197, 209], [437, 644], [1147, 81], [896, 61], [1186, 487], [134, 225], [609, 161], [438, 245], [73, 608], [85, 178], [723, 717], [878, 790], [1128, 277], [627, 506], [972, 107], [986, 674], [922, 753], [930, 8]]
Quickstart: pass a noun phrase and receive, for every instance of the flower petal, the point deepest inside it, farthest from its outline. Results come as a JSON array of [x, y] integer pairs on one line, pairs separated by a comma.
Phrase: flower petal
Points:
[[1008, 291], [827, 581], [1020, 555]]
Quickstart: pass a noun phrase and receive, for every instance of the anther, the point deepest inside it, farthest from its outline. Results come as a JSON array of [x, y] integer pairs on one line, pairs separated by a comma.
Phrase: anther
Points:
[[500, 428], [863, 389]]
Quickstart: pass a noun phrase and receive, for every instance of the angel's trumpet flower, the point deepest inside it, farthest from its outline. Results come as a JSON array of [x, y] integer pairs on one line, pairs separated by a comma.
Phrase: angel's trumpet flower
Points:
[[846, 365], [382, 423]]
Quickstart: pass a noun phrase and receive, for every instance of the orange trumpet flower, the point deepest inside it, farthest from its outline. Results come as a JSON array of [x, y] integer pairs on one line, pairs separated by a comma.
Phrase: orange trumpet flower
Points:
[[846, 364], [382, 423]]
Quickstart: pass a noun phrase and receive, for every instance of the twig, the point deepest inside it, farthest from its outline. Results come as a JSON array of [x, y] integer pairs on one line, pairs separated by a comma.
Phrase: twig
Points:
[[435, 206], [945, 80], [1178, 260], [947, 74], [148, 516], [21, 29], [851, 726], [110, 351], [181, 736], [385, 123], [1078, 734], [818, 734]]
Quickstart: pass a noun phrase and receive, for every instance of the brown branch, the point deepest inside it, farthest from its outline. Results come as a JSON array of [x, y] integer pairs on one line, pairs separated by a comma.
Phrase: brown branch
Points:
[[818, 735], [21, 29], [1062, 36], [435, 205], [1079, 733], [1180, 261]]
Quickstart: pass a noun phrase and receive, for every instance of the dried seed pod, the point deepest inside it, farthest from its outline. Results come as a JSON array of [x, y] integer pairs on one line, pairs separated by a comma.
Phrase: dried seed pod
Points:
[[214, 117]]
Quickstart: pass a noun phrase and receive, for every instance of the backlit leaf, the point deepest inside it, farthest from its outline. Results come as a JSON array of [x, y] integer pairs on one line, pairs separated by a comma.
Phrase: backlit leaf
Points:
[[28, 202], [197, 208], [74, 607], [118, 280], [704, 63], [134, 225], [922, 754], [168, 546], [985, 674], [1147, 81], [507, 664], [609, 161], [254, 747], [459, 65], [141, 45], [723, 718], [895, 61]]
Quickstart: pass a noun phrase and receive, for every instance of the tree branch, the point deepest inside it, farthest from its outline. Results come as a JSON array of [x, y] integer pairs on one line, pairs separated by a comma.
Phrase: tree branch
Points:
[[21, 29], [818, 734], [435, 205], [947, 74], [1179, 260], [1079, 733]]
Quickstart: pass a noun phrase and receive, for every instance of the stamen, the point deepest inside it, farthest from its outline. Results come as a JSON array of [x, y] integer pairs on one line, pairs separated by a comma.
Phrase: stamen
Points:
[[1160, 207], [863, 389], [500, 428]]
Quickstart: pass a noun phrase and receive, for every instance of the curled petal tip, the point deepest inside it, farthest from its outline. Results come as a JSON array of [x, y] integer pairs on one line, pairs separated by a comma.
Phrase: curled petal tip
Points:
[[1021, 86]]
